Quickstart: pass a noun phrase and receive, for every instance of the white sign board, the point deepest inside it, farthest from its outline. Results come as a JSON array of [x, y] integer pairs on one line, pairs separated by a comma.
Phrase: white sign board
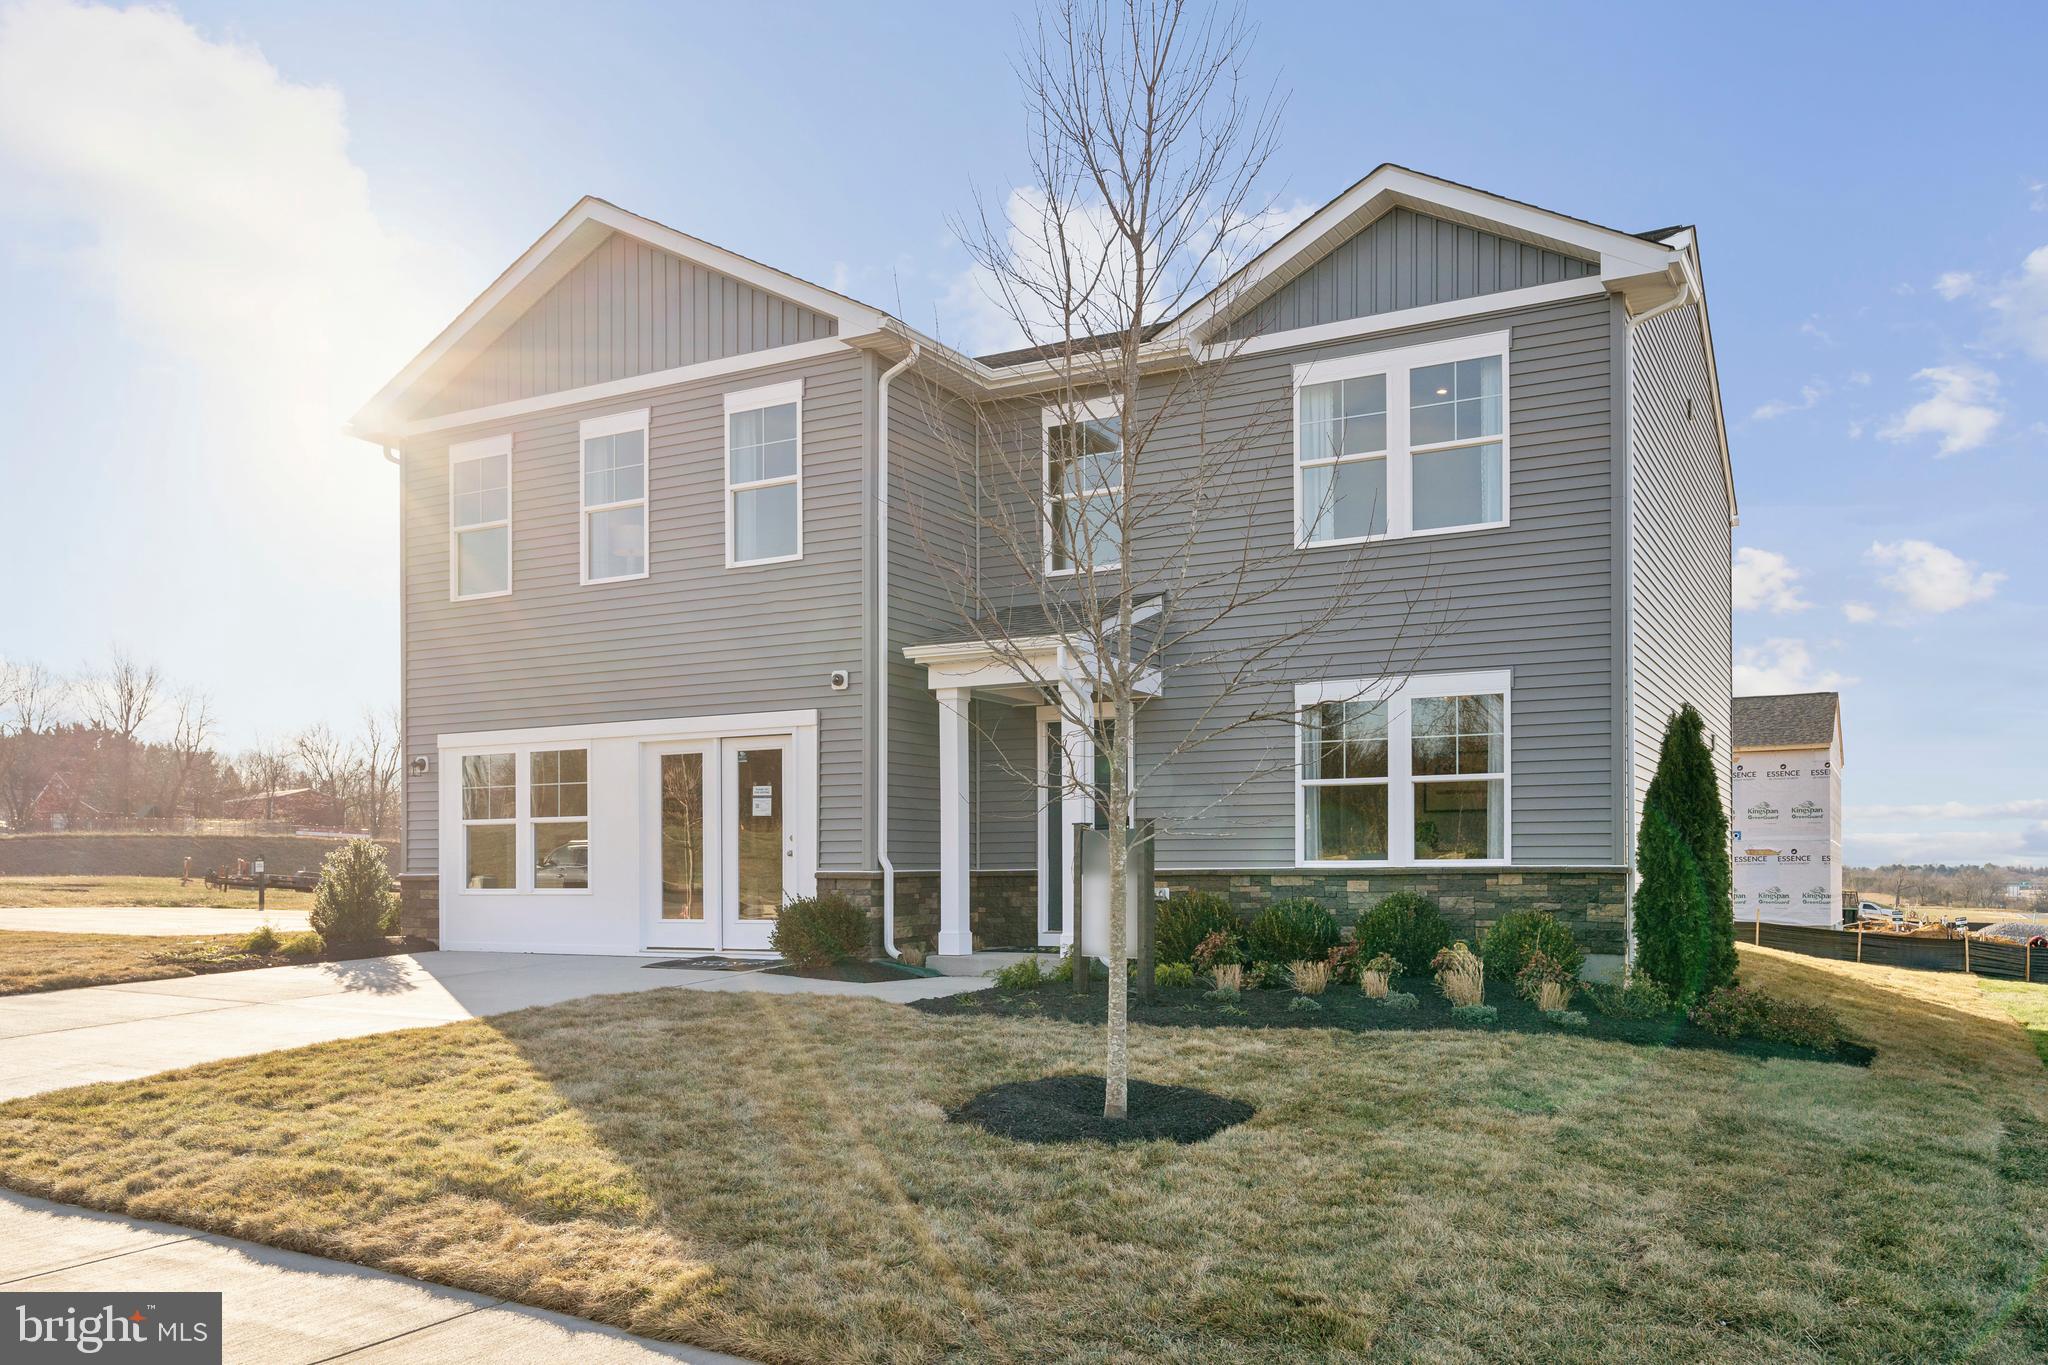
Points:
[[1787, 837]]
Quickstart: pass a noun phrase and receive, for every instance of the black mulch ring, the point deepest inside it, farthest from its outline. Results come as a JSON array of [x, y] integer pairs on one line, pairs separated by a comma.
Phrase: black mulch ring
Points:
[[1069, 1109], [850, 969], [1347, 1008]]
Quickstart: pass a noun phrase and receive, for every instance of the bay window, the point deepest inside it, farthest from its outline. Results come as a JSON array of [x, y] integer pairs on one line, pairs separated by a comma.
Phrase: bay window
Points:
[[480, 518], [1084, 487], [1404, 442], [764, 475], [614, 465], [1403, 770]]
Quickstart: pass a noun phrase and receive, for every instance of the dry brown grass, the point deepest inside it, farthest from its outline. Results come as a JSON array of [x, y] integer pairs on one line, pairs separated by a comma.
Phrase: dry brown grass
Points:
[[774, 1176], [1227, 976], [54, 962], [42, 892], [1310, 978], [1460, 975]]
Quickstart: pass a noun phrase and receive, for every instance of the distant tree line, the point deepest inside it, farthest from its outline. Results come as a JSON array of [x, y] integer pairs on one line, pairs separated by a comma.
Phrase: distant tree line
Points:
[[120, 743], [1949, 884]]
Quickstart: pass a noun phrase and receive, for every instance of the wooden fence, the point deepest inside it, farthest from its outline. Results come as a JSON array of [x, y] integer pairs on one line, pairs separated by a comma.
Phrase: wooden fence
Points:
[[1984, 956]]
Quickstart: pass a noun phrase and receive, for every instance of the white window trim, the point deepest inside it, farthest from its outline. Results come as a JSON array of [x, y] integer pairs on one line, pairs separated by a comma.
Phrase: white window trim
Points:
[[1398, 693], [750, 400], [523, 819], [613, 424], [1059, 415], [1395, 365], [459, 453]]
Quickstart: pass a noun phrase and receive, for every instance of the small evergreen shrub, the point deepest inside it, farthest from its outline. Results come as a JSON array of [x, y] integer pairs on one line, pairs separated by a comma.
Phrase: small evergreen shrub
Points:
[[1566, 1018], [1474, 1016], [1303, 1003], [817, 931], [1309, 978], [1747, 1012], [1513, 938], [308, 944], [1400, 1000], [354, 900], [1022, 976], [262, 941], [1460, 976], [1173, 976], [1376, 976], [1222, 993], [1296, 930], [1186, 920], [1409, 926], [1218, 948], [1640, 999]]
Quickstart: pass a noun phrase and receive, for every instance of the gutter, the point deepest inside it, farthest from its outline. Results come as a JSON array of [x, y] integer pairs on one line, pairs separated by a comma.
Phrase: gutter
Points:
[[881, 688]]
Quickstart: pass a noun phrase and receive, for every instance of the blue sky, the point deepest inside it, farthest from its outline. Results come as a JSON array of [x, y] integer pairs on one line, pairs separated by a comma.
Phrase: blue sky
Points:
[[223, 225]]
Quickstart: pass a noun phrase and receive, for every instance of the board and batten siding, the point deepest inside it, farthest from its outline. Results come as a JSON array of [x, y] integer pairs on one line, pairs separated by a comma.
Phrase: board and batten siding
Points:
[[628, 308], [1680, 570], [1405, 259], [1537, 596], [693, 638]]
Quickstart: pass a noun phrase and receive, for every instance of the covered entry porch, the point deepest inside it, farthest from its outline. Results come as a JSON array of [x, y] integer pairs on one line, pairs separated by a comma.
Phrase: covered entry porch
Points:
[[1064, 769]]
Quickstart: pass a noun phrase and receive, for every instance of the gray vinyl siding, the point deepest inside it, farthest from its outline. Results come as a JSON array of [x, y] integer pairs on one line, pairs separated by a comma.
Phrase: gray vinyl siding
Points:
[[1536, 596], [694, 638], [1406, 259], [627, 309], [1006, 804], [1680, 563]]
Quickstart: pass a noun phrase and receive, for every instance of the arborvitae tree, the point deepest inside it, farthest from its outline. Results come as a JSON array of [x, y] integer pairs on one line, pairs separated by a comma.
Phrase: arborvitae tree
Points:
[[1684, 908], [353, 903]]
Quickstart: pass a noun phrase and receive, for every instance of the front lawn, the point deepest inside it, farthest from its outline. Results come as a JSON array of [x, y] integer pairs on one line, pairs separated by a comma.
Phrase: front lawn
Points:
[[32, 961], [65, 892], [777, 1176]]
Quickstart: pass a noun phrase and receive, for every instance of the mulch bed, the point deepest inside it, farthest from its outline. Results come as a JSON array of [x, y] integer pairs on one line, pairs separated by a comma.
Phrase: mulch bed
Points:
[[1348, 1008], [851, 969], [200, 964], [1069, 1109]]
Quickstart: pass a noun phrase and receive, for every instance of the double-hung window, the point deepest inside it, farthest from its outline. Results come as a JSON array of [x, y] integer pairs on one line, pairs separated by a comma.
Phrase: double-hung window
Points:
[[1398, 443], [1084, 487], [480, 518], [1404, 770], [764, 475], [525, 809], [614, 465]]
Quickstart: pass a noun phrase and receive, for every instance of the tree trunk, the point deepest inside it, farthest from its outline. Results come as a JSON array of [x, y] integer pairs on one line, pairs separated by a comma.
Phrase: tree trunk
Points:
[[1117, 1069]]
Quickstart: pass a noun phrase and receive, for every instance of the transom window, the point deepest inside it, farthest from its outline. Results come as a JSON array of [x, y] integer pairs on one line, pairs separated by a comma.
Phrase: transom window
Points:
[[764, 475], [1404, 770], [1435, 460], [1084, 487], [537, 800], [614, 464], [480, 518]]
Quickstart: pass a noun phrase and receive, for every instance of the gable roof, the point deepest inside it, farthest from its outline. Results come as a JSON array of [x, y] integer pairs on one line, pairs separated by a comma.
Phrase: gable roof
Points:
[[1798, 720]]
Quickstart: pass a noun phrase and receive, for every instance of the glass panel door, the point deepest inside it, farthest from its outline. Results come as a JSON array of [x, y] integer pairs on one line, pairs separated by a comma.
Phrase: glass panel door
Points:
[[685, 878], [759, 842]]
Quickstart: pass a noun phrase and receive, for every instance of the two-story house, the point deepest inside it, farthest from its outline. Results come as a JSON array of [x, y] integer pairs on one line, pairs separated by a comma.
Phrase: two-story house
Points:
[[673, 649]]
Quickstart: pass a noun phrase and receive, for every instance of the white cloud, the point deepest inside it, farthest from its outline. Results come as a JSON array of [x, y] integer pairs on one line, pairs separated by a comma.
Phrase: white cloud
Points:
[[1810, 394], [1953, 284], [1929, 579], [1860, 613], [2024, 848], [1766, 581], [1812, 328], [1961, 409], [1782, 665], [1859, 379], [2021, 303], [2029, 809]]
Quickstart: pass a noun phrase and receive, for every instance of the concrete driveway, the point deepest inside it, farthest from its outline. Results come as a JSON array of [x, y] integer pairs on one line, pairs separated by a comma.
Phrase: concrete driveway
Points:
[[116, 1033], [134, 919]]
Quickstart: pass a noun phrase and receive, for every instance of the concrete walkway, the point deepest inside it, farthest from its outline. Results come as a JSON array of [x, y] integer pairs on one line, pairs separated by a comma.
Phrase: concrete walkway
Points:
[[117, 1033], [282, 1308], [142, 919]]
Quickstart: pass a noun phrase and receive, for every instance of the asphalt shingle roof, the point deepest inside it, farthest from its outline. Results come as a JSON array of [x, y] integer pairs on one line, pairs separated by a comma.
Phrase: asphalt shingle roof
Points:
[[1799, 720]]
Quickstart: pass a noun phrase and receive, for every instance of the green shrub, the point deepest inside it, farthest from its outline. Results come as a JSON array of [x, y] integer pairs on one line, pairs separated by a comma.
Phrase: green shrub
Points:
[[1022, 976], [1173, 976], [1474, 1015], [1266, 976], [1641, 998], [1514, 937], [1291, 931], [1218, 948], [1399, 1000], [1747, 1012], [308, 944], [817, 931], [1185, 920], [1302, 1004], [1567, 1018], [1684, 904], [262, 941], [1407, 925], [1064, 971], [354, 898], [1344, 962], [1224, 993]]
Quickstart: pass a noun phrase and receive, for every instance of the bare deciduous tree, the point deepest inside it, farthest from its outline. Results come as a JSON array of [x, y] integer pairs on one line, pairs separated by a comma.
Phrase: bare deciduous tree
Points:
[[191, 743], [378, 757], [267, 768], [32, 701]]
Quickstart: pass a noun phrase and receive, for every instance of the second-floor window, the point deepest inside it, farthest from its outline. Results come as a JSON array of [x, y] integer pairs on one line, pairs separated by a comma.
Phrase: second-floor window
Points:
[[1084, 487], [1398, 443], [480, 518], [615, 496], [764, 475]]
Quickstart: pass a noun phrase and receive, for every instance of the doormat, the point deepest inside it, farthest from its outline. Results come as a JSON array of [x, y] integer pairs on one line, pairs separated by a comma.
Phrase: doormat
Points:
[[717, 964]]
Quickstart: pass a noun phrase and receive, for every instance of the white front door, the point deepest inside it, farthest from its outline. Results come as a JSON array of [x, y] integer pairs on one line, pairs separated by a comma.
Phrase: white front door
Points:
[[723, 843], [760, 845], [683, 806]]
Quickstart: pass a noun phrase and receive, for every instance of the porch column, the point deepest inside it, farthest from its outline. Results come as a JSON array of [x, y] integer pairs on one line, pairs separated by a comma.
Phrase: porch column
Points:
[[1077, 803], [956, 935]]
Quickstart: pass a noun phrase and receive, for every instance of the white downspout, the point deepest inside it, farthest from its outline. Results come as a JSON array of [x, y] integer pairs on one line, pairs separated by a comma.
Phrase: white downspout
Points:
[[882, 652]]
